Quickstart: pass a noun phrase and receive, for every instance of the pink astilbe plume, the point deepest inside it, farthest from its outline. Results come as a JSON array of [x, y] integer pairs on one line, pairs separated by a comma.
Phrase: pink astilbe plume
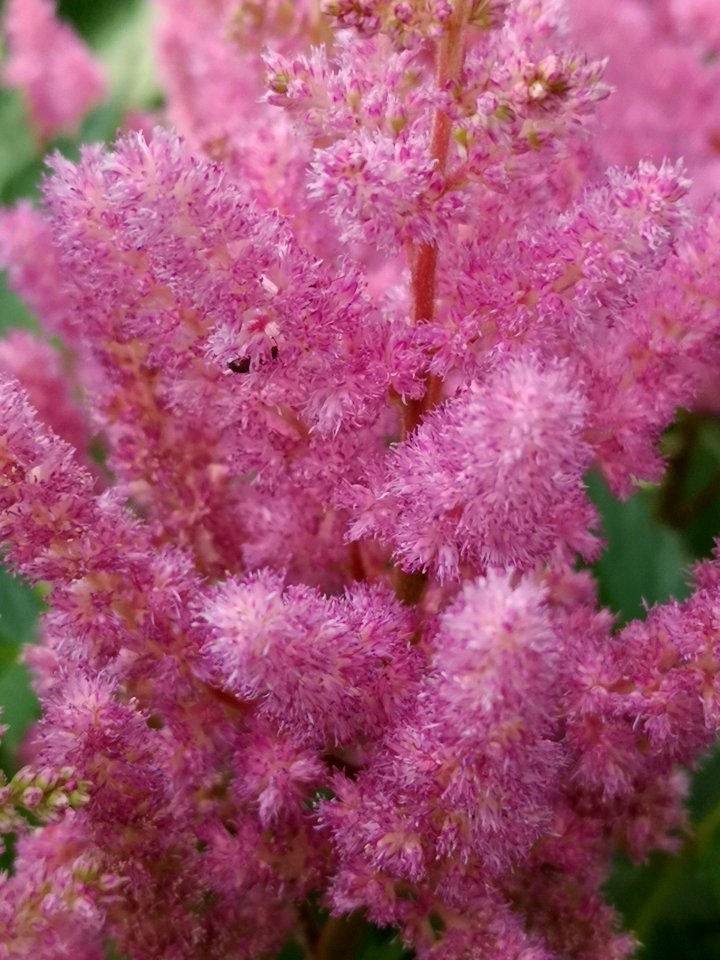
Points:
[[57, 899], [347, 664], [51, 66], [39, 369], [208, 308], [506, 461], [667, 111], [483, 786], [348, 338]]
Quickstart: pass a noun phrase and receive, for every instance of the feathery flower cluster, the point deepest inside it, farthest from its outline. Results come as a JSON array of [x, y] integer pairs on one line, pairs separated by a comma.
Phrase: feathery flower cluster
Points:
[[350, 338], [672, 109], [51, 66]]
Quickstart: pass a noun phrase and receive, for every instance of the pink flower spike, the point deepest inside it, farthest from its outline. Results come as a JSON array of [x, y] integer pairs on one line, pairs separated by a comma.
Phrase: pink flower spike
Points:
[[51, 66], [493, 477], [39, 369], [327, 671]]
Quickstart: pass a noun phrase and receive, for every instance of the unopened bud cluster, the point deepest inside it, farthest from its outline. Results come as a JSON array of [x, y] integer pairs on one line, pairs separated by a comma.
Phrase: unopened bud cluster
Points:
[[42, 795]]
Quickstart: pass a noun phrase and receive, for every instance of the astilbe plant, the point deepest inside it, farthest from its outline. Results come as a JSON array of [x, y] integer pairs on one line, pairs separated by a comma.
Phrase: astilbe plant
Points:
[[316, 631], [671, 109]]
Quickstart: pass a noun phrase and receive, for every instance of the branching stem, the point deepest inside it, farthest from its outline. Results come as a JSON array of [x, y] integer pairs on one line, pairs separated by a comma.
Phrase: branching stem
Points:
[[424, 256]]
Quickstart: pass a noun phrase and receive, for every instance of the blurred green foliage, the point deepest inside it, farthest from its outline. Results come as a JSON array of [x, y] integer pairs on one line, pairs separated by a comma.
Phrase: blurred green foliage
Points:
[[673, 903]]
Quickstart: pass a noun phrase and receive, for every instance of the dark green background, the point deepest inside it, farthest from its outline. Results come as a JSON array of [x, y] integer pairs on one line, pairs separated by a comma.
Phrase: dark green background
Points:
[[672, 903]]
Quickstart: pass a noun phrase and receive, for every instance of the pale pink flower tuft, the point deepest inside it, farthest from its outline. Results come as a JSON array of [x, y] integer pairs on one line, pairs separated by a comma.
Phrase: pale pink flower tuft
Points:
[[53, 68]]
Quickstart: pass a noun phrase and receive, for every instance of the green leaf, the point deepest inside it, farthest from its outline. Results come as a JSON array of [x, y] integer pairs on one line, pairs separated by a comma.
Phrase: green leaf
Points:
[[691, 492], [676, 899], [125, 45], [292, 952], [19, 709], [88, 17], [13, 312], [19, 608], [644, 562], [382, 945], [18, 148]]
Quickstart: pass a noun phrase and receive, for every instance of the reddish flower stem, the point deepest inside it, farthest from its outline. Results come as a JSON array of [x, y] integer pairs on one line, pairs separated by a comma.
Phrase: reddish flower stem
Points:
[[410, 588], [450, 56], [424, 256]]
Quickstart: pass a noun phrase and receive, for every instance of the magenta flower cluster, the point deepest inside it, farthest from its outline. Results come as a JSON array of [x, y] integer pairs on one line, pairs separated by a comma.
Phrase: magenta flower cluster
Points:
[[350, 341]]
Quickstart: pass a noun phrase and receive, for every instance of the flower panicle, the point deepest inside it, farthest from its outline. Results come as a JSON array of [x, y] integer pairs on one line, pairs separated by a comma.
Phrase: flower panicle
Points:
[[299, 455]]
